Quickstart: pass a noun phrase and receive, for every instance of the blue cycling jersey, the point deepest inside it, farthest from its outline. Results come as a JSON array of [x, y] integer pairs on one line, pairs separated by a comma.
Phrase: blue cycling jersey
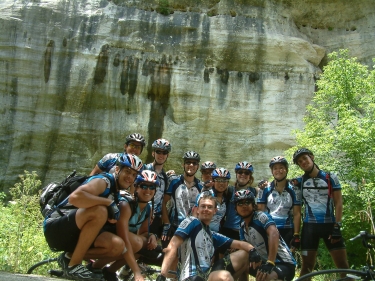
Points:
[[198, 248], [256, 235], [280, 206], [108, 162]]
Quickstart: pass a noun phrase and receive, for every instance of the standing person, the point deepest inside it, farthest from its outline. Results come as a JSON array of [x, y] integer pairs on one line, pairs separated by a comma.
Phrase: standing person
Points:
[[182, 191], [134, 144], [197, 244], [161, 149], [75, 226], [244, 178], [206, 170], [260, 230], [281, 202], [321, 195]]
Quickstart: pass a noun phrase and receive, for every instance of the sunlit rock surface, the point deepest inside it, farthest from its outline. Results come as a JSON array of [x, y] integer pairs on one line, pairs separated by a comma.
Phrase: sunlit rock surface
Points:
[[229, 79]]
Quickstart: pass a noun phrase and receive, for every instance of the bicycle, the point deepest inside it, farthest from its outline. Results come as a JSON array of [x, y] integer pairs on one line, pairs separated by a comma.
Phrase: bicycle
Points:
[[365, 273]]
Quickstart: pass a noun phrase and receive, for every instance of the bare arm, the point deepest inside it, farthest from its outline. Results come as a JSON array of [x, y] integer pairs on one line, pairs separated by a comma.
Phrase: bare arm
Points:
[[273, 242], [296, 218], [241, 245], [261, 207], [87, 195], [170, 254], [337, 199], [96, 170], [164, 211]]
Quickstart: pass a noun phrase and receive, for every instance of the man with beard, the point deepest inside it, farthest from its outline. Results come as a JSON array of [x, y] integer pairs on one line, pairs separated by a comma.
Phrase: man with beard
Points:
[[182, 191]]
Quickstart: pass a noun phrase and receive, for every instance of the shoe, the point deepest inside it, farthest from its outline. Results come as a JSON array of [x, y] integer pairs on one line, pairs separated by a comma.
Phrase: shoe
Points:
[[125, 273], [80, 272], [109, 276], [63, 261], [90, 267]]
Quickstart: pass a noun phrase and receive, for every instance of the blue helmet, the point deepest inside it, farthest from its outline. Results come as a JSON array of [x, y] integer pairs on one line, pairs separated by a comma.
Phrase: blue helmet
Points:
[[244, 166], [147, 176], [131, 161], [220, 173]]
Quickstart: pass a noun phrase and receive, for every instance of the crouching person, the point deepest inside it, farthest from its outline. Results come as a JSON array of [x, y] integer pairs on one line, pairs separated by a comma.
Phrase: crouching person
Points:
[[272, 259], [197, 244], [75, 226]]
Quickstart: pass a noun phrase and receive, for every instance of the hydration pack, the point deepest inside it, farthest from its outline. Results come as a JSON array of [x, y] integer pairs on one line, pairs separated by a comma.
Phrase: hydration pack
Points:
[[55, 192]]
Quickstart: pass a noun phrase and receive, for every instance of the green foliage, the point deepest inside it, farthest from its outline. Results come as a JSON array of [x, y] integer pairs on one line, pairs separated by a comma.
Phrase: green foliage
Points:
[[340, 131], [22, 242], [164, 7]]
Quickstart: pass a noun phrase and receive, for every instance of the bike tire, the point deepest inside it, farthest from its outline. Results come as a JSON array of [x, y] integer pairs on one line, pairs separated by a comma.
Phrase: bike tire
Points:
[[30, 270], [334, 275]]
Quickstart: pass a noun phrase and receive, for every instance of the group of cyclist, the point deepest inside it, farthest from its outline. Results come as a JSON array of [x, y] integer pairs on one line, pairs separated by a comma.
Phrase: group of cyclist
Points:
[[206, 229]]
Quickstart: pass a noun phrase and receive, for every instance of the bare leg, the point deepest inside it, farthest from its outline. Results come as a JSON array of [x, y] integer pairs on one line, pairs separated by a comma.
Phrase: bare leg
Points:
[[106, 245], [220, 275], [308, 262]]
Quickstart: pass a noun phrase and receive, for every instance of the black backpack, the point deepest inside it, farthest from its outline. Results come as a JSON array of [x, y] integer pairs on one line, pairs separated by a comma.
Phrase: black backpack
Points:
[[55, 192]]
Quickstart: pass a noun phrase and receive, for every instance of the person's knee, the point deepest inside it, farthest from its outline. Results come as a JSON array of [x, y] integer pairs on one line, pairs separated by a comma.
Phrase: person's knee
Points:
[[221, 275]]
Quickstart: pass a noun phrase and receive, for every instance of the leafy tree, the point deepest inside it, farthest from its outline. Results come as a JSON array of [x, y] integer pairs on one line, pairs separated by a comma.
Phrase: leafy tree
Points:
[[340, 130]]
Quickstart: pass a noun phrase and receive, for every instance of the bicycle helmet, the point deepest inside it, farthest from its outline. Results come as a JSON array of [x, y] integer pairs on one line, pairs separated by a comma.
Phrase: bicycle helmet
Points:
[[244, 166], [279, 160], [220, 173], [135, 137], [192, 155], [131, 161], [147, 176], [162, 144], [208, 165], [300, 152], [244, 194]]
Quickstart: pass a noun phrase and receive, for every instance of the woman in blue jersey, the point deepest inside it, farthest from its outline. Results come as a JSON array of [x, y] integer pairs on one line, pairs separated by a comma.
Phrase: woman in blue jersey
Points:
[[258, 228], [133, 226], [321, 195], [281, 202]]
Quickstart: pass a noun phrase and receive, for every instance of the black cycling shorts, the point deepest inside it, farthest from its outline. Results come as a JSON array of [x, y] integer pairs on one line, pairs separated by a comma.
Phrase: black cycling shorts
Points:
[[311, 234], [284, 271], [62, 234], [286, 234]]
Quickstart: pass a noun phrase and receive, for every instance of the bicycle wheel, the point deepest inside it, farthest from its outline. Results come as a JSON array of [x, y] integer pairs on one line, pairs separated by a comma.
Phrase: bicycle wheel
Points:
[[30, 270], [335, 275]]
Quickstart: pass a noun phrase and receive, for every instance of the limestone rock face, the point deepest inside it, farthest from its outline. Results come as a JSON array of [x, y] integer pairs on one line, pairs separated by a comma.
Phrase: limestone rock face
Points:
[[228, 79]]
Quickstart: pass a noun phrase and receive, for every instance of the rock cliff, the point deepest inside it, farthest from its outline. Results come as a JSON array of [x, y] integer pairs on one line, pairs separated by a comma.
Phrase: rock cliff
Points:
[[229, 79]]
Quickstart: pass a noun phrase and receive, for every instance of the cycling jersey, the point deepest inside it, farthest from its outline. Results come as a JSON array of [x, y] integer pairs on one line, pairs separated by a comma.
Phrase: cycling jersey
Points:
[[256, 235], [136, 220], [198, 248], [183, 198], [319, 206], [280, 206]]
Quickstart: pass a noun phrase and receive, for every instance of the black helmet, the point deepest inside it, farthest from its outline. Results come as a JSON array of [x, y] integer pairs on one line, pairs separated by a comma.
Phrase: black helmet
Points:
[[135, 137], [208, 165], [279, 160], [162, 144], [191, 155], [300, 152], [243, 194]]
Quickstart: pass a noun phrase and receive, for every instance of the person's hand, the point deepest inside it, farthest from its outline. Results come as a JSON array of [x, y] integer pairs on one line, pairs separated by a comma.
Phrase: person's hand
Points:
[[264, 270], [138, 277], [161, 278], [335, 234], [254, 256], [152, 242], [113, 211], [166, 228], [263, 184], [295, 242]]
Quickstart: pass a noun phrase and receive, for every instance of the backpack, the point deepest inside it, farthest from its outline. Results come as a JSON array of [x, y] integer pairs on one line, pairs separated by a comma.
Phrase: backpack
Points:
[[55, 192]]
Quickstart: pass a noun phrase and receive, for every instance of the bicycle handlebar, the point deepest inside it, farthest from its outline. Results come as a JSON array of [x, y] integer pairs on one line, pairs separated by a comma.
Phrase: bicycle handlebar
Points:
[[364, 236]]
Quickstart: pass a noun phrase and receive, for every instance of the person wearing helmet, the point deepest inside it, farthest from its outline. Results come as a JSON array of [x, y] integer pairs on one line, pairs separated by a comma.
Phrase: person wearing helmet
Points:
[[183, 191], [244, 178], [134, 144], [321, 195], [160, 152], [133, 226], [275, 261], [282, 201], [76, 225], [197, 244], [206, 170]]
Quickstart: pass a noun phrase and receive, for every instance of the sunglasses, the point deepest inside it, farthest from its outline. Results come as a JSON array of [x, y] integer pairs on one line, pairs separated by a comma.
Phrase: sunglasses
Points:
[[145, 186], [161, 152], [191, 163], [135, 146], [246, 203], [244, 172], [221, 180]]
